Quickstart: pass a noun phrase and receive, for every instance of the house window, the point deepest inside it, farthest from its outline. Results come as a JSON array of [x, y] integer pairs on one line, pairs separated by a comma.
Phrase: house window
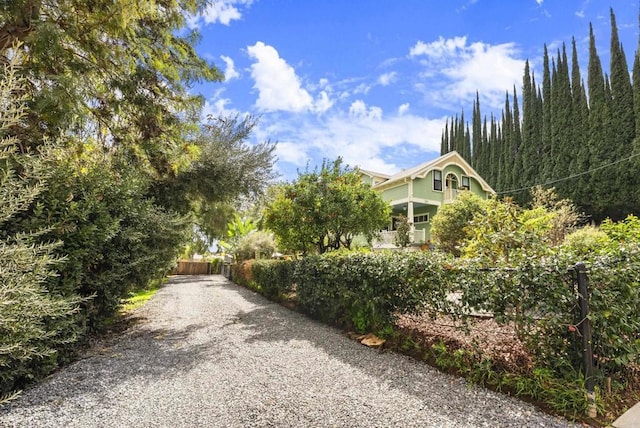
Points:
[[437, 180], [466, 183], [422, 218]]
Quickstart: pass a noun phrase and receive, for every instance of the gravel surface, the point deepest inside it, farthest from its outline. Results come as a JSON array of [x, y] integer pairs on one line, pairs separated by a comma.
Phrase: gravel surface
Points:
[[208, 353]]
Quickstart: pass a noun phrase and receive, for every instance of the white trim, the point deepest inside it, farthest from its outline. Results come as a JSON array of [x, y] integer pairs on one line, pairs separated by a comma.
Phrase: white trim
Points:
[[415, 200], [421, 171], [433, 179]]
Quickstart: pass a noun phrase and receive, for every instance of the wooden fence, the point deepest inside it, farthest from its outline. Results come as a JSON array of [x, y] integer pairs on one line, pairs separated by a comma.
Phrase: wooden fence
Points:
[[192, 267]]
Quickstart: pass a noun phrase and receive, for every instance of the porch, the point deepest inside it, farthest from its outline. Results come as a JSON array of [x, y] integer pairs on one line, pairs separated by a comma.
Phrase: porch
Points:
[[387, 238]]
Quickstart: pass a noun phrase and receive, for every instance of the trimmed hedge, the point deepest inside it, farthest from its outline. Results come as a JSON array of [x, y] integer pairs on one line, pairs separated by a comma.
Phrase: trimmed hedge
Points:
[[273, 278], [365, 291]]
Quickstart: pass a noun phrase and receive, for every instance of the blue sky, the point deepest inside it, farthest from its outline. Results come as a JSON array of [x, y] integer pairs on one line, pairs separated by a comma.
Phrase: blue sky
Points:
[[373, 81]]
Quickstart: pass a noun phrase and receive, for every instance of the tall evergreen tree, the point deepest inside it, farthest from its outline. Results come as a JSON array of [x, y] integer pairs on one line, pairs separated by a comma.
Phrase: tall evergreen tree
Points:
[[622, 116], [476, 137], [516, 137], [598, 119], [546, 137], [529, 156], [562, 125], [444, 143], [466, 154], [580, 120], [507, 157], [483, 164], [494, 154], [622, 123]]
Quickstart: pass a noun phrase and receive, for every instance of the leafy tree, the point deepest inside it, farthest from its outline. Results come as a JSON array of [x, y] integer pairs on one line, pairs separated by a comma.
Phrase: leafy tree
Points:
[[258, 244], [325, 209], [225, 167], [237, 229], [120, 75], [403, 228], [33, 322], [449, 227]]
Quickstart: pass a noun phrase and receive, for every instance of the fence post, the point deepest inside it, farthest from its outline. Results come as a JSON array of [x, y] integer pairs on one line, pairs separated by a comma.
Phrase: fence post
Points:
[[585, 330]]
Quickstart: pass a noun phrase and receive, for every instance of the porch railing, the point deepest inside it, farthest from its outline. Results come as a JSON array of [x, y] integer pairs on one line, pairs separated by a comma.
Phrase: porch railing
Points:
[[450, 194], [388, 237]]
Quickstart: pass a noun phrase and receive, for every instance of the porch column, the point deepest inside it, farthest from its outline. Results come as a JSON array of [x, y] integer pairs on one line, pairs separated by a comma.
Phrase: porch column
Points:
[[412, 229]]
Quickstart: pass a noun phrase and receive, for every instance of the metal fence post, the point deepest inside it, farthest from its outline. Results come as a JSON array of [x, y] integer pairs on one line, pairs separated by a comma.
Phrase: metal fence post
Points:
[[585, 330]]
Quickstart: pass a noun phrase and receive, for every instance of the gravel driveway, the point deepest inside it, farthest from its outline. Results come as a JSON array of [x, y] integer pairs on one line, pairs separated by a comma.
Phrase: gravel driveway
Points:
[[208, 353]]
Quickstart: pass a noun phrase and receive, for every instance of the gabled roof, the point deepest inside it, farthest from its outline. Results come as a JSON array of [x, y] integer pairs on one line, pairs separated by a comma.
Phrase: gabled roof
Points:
[[374, 174], [440, 163]]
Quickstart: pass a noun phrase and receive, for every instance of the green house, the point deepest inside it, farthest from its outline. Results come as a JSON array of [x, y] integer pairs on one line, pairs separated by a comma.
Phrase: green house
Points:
[[417, 193]]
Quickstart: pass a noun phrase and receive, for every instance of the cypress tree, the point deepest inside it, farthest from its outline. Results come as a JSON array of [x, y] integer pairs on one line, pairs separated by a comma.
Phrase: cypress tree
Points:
[[529, 156], [477, 132], [494, 154], [636, 94], [598, 119], [562, 125], [516, 136], [452, 134], [483, 155], [466, 153], [444, 143], [460, 136], [622, 125], [580, 120], [545, 143], [622, 117]]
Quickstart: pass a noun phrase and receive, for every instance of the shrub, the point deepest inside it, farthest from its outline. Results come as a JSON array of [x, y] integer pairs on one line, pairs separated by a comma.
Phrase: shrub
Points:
[[625, 231], [586, 242], [364, 291], [241, 273], [273, 277], [256, 245], [449, 228], [34, 323]]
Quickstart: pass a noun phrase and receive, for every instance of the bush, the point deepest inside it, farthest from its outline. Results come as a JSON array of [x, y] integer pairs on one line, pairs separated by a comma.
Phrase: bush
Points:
[[34, 323], [256, 245], [241, 273], [273, 277], [449, 228], [587, 242], [626, 231], [364, 291]]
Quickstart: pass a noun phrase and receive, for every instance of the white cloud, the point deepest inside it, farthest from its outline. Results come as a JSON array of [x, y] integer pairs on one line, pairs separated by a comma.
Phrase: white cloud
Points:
[[222, 11], [362, 136], [439, 48], [360, 110], [292, 153], [403, 109], [230, 71], [387, 78], [278, 86], [323, 102], [217, 107], [539, 2], [455, 70]]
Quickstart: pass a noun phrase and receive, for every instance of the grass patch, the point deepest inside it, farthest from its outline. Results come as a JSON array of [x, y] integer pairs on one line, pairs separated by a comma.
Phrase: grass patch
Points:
[[138, 298]]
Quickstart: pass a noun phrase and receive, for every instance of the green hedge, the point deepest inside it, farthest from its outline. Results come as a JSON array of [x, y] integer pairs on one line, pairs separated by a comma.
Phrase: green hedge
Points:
[[273, 277], [365, 291]]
